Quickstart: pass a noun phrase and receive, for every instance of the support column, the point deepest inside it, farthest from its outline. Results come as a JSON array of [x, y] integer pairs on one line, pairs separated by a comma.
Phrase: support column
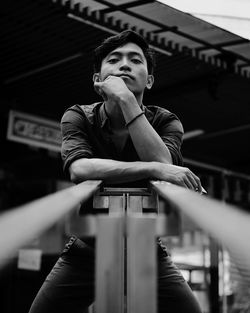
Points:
[[110, 264], [141, 258]]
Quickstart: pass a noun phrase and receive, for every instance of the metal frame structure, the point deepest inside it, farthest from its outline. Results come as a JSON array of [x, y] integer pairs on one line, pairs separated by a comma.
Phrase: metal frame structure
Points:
[[126, 250], [104, 17]]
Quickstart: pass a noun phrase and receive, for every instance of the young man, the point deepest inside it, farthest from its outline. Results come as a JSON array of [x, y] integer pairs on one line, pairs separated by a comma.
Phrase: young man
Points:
[[119, 141]]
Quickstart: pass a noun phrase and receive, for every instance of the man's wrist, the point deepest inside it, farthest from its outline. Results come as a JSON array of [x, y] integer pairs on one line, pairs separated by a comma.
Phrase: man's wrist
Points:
[[134, 118], [153, 169], [127, 99], [130, 108]]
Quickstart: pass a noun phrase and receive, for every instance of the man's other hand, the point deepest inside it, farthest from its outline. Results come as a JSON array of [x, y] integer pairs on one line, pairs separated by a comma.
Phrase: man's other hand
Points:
[[177, 175]]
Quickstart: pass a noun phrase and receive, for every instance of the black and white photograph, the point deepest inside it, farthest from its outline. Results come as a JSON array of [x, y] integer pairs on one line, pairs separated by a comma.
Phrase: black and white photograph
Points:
[[125, 156]]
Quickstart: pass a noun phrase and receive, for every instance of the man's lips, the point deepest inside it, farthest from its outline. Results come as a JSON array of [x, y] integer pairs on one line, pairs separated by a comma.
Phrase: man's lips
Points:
[[125, 76]]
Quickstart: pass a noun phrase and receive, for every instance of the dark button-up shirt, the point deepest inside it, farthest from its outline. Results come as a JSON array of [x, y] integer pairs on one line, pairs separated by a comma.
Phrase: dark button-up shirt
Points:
[[86, 133]]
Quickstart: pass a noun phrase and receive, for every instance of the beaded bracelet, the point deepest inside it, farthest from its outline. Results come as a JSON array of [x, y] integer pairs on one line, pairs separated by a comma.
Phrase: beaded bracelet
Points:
[[134, 118]]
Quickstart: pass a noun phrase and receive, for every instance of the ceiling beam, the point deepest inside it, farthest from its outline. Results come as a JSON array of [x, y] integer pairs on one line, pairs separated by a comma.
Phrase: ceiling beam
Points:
[[42, 68], [124, 6]]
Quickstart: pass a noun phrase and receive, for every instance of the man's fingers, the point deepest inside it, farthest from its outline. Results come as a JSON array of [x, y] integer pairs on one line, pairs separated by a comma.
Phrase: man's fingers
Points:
[[195, 181], [182, 176], [189, 183], [198, 181], [98, 89]]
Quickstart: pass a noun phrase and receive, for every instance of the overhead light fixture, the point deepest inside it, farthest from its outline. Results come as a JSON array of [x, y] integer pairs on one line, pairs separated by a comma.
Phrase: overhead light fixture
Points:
[[193, 133]]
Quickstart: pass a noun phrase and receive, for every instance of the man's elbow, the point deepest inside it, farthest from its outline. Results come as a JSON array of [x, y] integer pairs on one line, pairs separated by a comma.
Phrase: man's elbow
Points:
[[167, 159], [77, 172]]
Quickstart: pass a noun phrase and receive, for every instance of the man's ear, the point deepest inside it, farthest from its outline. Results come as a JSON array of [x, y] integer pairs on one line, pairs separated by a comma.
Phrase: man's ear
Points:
[[96, 77], [150, 81]]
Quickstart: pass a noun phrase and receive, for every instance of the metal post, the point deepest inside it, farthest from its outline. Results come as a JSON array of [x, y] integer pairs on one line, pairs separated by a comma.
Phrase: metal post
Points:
[[109, 282], [126, 227], [109, 264], [141, 254], [214, 277]]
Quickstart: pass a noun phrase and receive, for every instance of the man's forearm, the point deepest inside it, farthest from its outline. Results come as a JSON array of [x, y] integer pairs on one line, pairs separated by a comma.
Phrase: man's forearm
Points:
[[148, 144], [110, 171]]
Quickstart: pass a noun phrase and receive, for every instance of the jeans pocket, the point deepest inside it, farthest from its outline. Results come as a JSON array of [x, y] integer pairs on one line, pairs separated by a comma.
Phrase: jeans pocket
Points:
[[168, 270], [69, 244]]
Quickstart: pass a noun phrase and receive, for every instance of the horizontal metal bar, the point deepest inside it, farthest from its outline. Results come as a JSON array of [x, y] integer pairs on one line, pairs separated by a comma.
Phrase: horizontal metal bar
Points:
[[218, 169], [119, 191], [124, 6], [226, 131], [24, 223], [242, 65], [216, 218], [225, 44], [42, 68]]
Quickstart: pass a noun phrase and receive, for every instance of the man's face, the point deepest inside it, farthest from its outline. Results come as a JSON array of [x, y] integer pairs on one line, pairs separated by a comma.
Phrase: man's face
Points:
[[129, 63]]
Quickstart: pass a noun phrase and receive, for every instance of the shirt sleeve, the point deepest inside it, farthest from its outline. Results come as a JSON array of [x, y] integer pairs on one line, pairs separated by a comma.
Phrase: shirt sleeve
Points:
[[171, 131], [75, 143]]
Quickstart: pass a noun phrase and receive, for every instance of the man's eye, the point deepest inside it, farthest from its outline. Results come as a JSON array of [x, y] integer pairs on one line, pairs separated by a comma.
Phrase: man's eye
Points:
[[136, 61], [112, 61]]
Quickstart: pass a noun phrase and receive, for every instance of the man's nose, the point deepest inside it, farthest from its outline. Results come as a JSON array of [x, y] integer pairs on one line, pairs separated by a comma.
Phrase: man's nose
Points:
[[124, 66]]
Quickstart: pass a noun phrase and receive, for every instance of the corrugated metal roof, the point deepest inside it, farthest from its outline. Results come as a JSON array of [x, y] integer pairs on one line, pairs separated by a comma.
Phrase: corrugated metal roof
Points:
[[168, 29]]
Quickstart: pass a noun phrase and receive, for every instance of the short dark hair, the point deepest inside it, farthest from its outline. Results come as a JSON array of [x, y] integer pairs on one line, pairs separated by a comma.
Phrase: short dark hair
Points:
[[121, 39]]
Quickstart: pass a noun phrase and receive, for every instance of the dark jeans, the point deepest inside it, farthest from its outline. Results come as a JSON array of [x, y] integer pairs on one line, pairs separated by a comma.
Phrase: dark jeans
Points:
[[70, 285]]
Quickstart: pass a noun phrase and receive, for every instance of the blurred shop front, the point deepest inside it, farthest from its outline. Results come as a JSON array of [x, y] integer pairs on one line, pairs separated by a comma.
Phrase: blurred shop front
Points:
[[36, 171], [30, 169]]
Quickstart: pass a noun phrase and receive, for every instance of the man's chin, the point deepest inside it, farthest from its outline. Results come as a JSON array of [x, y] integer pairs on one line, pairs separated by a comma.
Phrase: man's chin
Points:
[[129, 83], [131, 86]]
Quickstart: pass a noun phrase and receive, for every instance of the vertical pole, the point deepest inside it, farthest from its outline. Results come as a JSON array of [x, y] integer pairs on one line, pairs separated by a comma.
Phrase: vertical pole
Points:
[[214, 277], [138, 233], [109, 264], [141, 250]]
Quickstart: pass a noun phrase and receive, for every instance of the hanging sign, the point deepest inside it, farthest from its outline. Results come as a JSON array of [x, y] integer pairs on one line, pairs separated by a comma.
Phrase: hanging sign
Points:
[[34, 131]]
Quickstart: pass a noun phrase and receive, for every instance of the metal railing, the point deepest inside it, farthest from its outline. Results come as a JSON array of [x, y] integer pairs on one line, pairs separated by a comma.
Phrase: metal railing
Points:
[[21, 224], [225, 223]]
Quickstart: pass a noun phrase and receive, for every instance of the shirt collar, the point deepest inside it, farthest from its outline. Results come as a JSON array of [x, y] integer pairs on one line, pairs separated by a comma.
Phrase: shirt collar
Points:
[[105, 122]]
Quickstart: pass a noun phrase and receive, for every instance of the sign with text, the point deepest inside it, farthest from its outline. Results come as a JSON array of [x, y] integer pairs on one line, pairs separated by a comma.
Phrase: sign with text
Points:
[[29, 259], [34, 131]]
